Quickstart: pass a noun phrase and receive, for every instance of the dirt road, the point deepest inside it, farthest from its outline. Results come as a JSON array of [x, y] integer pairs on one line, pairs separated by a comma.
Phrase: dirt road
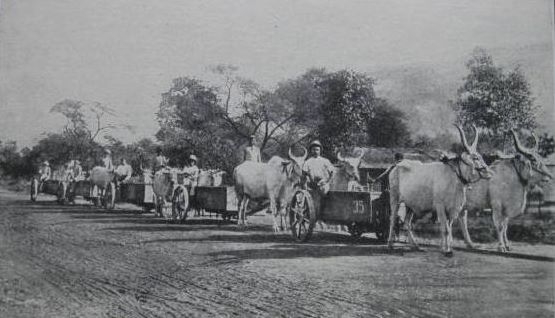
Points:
[[78, 261]]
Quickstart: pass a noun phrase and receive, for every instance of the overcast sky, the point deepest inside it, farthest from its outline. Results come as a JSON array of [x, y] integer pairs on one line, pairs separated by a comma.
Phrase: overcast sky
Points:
[[125, 53]]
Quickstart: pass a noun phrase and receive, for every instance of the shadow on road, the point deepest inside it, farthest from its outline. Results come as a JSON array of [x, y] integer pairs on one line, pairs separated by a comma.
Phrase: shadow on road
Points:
[[312, 251]]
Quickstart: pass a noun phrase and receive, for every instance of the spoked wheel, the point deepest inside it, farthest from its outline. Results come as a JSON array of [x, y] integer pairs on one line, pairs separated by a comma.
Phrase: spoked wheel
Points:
[[34, 189], [355, 230], [110, 196], [61, 193], [180, 204], [302, 216]]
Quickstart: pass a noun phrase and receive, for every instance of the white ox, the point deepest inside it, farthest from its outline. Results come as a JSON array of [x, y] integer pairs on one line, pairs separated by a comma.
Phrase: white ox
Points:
[[438, 186], [505, 193], [274, 181], [102, 179]]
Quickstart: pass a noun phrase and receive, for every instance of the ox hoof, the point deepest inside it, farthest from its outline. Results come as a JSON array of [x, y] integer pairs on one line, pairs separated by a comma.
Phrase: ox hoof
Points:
[[501, 249], [448, 254]]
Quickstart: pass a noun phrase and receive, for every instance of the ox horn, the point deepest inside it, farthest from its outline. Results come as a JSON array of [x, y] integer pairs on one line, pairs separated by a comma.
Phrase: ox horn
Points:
[[300, 158], [361, 153], [463, 138], [536, 143], [476, 134], [339, 156], [518, 145]]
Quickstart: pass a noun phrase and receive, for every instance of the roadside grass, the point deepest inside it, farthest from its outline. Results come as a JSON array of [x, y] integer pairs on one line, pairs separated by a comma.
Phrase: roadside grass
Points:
[[530, 227], [15, 184]]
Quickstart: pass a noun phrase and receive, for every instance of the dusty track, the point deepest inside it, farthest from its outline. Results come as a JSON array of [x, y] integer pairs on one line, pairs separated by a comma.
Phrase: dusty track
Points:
[[77, 261]]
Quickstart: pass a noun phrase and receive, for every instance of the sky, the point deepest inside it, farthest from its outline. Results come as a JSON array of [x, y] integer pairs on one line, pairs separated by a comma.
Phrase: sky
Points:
[[124, 53]]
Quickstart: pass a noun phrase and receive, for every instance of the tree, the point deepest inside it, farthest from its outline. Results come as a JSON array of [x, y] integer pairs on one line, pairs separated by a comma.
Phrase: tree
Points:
[[79, 115], [546, 145], [348, 104], [494, 99], [387, 128]]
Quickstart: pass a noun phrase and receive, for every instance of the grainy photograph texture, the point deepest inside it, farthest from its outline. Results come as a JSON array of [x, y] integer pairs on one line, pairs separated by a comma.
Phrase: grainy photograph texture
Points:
[[180, 158]]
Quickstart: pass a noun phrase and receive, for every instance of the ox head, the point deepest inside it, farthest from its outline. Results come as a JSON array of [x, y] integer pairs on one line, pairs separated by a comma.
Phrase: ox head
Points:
[[294, 166], [473, 166], [533, 166], [350, 165]]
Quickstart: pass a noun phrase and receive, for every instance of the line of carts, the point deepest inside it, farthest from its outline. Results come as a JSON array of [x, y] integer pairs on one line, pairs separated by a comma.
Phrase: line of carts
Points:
[[172, 198]]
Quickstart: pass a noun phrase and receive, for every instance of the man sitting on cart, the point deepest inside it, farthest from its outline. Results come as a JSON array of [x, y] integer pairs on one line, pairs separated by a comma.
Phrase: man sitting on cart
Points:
[[191, 172], [161, 161], [45, 173], [123, 172], [317, 173]]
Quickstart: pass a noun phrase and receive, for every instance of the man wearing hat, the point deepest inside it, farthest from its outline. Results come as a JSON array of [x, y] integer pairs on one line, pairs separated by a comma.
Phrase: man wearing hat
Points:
[[161, 161], [107, 160], [192, 172], [317, 169], [252, 152], [45, 173]]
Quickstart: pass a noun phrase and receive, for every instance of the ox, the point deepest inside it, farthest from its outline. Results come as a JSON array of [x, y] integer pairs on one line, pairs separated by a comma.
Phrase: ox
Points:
[[102, 179], [274, 181], [438, 186], [346, 177], [505, 193]]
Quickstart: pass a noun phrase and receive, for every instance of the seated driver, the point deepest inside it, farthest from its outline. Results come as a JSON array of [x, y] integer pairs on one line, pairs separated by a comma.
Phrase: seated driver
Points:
[[317, 172], [123, 171]]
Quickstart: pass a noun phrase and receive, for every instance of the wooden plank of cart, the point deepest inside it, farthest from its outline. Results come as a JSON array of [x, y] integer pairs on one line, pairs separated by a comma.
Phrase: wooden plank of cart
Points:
[[361, 211]]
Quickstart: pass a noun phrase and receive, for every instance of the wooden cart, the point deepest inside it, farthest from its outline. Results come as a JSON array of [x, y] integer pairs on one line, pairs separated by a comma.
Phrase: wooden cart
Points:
[[361, 212]]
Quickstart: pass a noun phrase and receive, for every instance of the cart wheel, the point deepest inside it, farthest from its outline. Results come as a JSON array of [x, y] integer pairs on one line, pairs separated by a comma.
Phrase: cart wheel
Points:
[[110, 196], [302, 216], [34, 189], [180, 204], [61, 193], [355, 230]]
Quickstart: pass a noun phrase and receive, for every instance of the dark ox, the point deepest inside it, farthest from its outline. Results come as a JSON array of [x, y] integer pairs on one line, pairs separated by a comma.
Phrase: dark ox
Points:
[[274, 181], [438, 186], [505, 193]]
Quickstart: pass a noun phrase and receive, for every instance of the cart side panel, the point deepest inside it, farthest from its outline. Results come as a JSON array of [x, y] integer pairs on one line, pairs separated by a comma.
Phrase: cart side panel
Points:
[[51, 187], [83, 188], [211, 198], [346, 207], [137, 193]]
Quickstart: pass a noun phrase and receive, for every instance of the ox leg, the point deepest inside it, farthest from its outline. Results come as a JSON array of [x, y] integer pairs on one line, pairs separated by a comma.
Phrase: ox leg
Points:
[[442, 227], [505, 228], [499, 229], [275, 213], [463, 221], [392, 219], [449, 239], [240, 213], [408, 225]]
